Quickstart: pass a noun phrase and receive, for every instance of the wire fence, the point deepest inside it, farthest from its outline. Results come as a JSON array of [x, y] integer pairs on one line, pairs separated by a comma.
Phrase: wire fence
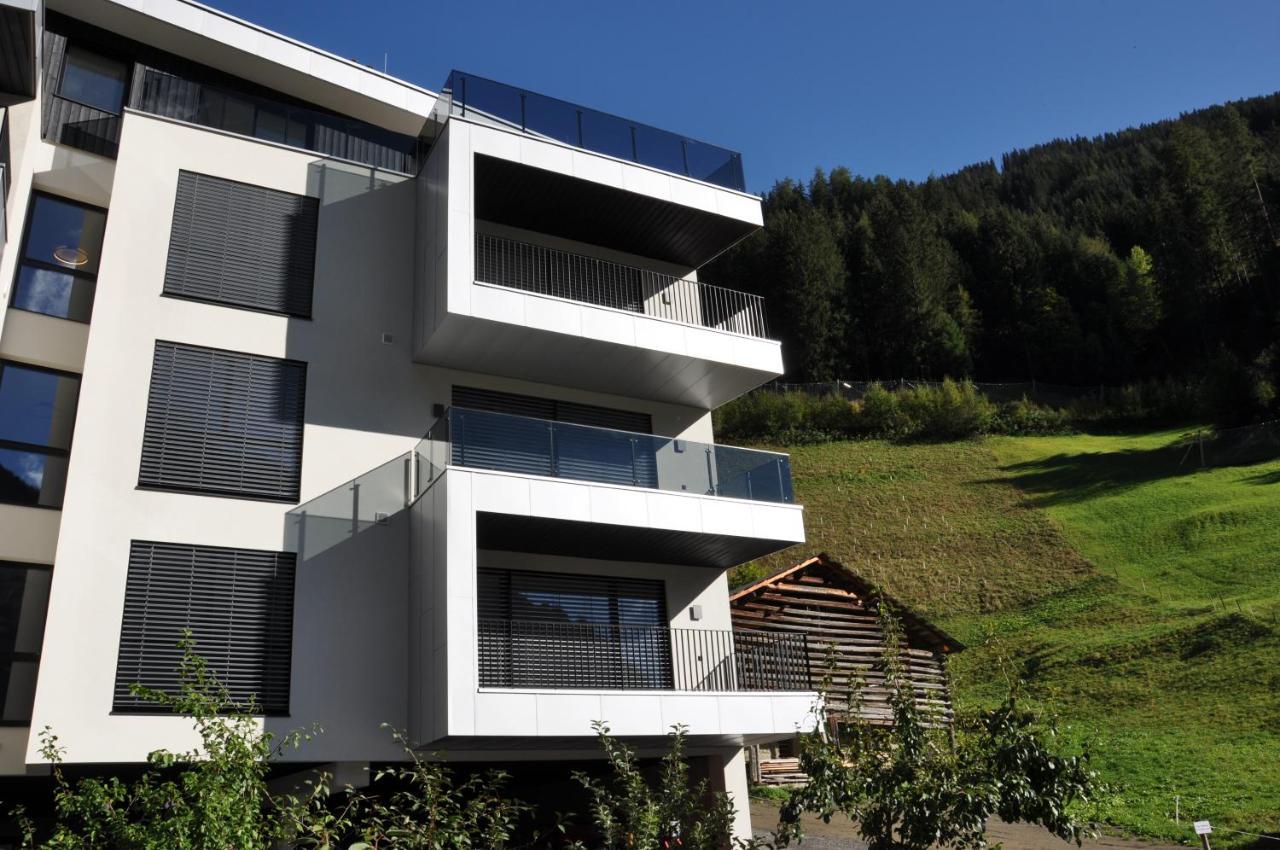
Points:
[[1241, 446], [1053, 395]]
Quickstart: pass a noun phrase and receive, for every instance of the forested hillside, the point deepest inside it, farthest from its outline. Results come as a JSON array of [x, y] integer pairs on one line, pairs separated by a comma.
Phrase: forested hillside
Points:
[[1146, 253]]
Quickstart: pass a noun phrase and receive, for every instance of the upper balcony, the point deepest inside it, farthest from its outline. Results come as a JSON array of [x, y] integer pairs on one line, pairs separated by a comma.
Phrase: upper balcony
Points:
[[546, 262], [468, 96]]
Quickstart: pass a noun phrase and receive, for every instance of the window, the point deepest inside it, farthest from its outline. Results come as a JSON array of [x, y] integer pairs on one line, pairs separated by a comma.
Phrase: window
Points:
[[224, 423], [553, 630], [24, 600], [94, 80], [241, 245], [60, 255], [37, 413], [238, 605]]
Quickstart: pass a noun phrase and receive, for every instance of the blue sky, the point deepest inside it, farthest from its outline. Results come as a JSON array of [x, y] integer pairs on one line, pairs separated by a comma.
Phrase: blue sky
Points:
[[898, 88]]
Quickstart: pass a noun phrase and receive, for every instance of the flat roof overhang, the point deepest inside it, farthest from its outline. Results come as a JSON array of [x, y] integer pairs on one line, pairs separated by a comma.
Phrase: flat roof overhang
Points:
[[245, 50], [551, 340], [18, 51], [531, 198]]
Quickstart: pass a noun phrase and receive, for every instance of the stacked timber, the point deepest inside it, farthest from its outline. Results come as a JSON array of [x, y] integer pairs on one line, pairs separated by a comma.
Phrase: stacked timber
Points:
[[837, 611]]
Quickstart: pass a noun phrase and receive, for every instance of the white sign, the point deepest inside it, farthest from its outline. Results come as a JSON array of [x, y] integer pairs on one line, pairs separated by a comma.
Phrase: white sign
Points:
[[1203, 828]]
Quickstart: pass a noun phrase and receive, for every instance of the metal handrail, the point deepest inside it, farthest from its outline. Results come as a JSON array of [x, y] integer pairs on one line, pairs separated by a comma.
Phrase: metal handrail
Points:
[[578, 277], [591, 656]]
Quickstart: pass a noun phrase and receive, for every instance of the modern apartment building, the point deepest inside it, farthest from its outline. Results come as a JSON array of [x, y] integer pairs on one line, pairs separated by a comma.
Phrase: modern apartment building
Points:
[[399, 400]]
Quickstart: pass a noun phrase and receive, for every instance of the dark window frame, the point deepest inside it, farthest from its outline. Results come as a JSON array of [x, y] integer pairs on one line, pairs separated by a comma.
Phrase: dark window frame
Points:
[[74, 44], [198, 490], [24, 657], [36, 448], [22, 260]]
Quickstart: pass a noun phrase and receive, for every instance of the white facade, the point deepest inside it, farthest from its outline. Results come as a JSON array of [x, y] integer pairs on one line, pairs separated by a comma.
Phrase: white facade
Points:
[[384, 610]]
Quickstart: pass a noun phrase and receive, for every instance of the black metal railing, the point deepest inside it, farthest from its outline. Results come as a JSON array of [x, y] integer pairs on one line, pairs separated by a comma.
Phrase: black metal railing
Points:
[[467, 95], [481, 439], [591, 280], [4, 176], [587, 656]]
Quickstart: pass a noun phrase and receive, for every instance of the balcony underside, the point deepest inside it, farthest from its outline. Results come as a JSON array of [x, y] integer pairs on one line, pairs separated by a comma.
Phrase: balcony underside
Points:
[[538, 199], [17, 51], [538, 338], [544, 536]]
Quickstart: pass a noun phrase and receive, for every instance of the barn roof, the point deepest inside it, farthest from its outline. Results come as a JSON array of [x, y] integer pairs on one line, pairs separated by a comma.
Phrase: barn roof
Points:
[[917, 629]]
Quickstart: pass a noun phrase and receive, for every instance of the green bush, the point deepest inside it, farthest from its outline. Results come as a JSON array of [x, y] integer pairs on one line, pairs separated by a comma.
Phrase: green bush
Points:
[[950, 411], [1026, 418], [793, 417]]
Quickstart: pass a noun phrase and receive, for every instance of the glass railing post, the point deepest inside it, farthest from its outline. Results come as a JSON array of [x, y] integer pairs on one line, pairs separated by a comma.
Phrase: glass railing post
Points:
[[712, 489], [355, 509], [684, 152], [782, 487], [635, 472], [463, 82], [551, 449], [523, 97]]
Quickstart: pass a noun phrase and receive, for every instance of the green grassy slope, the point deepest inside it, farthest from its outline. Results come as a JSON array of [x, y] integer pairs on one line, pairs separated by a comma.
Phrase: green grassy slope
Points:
[[1145, 591]]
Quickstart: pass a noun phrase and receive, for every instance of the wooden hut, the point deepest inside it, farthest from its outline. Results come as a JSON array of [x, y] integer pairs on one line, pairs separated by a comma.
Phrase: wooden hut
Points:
[[837, 610]]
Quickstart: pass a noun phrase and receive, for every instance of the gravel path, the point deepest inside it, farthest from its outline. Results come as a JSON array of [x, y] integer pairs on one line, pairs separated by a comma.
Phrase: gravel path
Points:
[[840, 835]]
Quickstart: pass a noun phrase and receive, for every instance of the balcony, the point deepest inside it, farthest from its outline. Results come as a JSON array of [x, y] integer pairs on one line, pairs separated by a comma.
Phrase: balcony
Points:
[[588, 656], [507, 443], [469, 96], [591, 280]]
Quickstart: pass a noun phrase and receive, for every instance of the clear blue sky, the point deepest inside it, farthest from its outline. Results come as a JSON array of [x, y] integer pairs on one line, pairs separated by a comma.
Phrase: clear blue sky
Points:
[[887, 87]]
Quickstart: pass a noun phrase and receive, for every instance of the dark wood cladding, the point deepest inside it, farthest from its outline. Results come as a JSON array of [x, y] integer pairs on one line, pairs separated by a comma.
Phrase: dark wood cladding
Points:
[[66, 122], [17, 55], [837, 610], [173, 87]]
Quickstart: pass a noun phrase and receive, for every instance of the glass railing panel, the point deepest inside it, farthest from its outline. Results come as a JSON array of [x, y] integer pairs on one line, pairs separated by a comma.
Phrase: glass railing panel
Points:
[[527, 446], [755, 475], [352, 508], [480, 98]]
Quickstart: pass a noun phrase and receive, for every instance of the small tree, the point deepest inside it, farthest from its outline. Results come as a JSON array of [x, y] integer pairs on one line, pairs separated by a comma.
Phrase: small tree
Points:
[[908, 788], [674, 815], [211, 798]]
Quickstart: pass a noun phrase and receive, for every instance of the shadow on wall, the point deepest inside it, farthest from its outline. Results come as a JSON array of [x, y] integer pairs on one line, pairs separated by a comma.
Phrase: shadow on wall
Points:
[[357, 344]]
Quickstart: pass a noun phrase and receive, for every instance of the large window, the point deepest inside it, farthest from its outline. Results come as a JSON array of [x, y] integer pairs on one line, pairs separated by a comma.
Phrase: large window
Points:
[[224, 423], [238, 606], [94, 80], [24, 598], [60, 255], [241, 245], [37, 413], [553, 630]]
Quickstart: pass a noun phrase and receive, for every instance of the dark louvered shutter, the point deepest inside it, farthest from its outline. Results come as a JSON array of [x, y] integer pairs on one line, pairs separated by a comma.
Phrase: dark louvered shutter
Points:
[[238, 605], [223, 422], [556, 630], [242, 245]]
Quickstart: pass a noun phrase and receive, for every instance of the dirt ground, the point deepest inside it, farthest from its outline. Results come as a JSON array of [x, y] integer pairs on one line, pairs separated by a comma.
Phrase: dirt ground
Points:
[[840, 835]]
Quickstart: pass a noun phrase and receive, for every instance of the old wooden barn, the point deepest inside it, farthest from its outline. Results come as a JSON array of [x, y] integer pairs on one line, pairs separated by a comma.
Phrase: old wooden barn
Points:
[[837, 609]]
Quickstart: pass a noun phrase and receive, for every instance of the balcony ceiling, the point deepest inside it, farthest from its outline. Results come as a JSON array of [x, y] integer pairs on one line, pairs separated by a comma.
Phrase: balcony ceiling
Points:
[[531, 198], [17, 53], [544, 536]]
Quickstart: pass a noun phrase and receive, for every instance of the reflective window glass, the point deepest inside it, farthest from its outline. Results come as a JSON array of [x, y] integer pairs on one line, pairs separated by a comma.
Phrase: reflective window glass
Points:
[[94, 80], [37, 407], [65, 235]]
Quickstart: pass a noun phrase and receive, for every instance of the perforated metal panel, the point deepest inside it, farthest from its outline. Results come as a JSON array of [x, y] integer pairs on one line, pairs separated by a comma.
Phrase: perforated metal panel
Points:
[[238, 605], [241, 245], [223, 422]]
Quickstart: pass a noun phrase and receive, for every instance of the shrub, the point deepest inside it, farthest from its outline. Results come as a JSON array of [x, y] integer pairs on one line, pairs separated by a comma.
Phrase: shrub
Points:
[[1026, 418], [793, 417], [949, 411], [881, 414]]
